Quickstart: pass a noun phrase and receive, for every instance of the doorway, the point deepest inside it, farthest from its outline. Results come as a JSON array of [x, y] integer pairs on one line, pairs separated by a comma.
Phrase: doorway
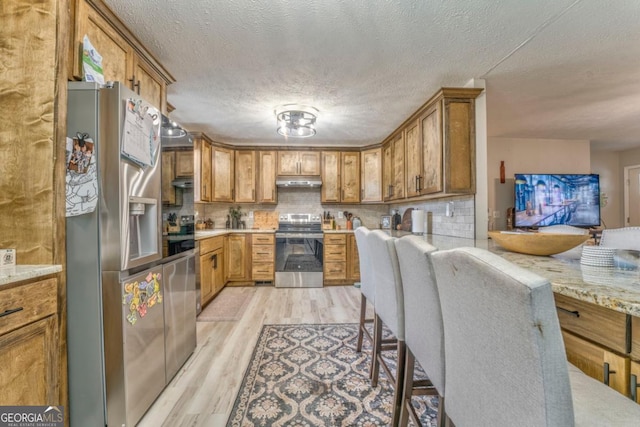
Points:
[[632, 196]]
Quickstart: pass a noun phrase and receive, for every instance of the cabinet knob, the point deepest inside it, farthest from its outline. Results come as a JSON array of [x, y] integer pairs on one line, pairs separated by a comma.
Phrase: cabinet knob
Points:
[[214, 258]]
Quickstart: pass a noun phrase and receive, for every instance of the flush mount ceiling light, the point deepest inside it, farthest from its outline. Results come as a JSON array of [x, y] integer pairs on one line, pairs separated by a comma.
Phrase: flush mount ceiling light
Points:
[[297, 121], [171, 129]]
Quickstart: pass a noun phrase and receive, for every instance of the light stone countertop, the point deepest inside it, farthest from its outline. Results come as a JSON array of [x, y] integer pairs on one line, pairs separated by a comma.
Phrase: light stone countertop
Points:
[[612, 288], [205, 234], [25, 272]]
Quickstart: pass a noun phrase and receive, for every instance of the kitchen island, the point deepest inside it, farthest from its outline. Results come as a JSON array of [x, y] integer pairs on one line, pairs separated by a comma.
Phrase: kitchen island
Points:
[[598, 310]]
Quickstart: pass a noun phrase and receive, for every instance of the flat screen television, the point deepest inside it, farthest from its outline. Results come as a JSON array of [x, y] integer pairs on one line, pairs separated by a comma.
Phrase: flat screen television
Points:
[[550, 199]]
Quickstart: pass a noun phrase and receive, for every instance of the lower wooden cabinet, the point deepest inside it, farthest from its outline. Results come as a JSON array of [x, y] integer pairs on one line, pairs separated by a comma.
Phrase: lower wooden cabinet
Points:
[[29, 345], [263, 252], [597, 341], [634, 378], [238, 258], [340, 266], [212, 278], [598, 362], [353, 259]]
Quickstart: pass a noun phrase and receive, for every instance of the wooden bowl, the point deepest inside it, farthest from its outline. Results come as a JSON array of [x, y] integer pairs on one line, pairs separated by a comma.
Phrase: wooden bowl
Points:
[[537, 243]]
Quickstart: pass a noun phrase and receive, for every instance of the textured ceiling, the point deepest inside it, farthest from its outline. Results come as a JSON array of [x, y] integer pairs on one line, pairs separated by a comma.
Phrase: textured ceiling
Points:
[[562, 69]]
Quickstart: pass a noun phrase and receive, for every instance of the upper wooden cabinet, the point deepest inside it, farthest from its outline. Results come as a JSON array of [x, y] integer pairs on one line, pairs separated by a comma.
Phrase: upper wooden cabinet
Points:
[[439, 148], [223, 174], [371, 175], [413, 161], [168, 174], [292, 163], [340, 177], [124, 59], [330, 166], [245, 184], [267, 161], [393, 168], [202, 153], [184, 164], [350, 176]]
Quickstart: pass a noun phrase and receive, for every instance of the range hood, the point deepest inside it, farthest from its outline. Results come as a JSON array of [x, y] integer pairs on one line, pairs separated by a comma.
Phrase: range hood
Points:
[[298, 181], [183, 182]]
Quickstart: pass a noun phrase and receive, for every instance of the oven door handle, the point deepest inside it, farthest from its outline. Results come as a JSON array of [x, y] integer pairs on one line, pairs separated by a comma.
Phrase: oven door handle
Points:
[[299, 235]]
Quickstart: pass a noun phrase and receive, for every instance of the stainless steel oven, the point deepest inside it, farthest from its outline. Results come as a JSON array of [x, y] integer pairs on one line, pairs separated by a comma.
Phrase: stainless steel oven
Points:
[[299, 248]]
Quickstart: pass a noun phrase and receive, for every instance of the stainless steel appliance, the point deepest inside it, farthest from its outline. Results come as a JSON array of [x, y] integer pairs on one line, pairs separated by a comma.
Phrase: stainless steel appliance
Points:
[[179, 311], [299, 249], [179, 251], [177, 146], [117, 295]]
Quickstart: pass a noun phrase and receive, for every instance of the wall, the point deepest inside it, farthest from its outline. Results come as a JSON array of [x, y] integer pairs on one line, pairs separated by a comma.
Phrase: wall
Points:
[[303, 200], [524, 155], [460, 224], [607, 165], [295, 200]]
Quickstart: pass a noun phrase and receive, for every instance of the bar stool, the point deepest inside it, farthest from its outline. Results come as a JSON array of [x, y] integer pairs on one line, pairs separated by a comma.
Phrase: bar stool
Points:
[[504, 354], [389, 307], [367, 290], [424, 334]]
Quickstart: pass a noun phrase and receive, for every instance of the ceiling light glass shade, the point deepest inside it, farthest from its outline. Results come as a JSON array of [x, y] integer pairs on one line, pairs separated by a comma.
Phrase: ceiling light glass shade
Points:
[[171, 129], [297, 121]]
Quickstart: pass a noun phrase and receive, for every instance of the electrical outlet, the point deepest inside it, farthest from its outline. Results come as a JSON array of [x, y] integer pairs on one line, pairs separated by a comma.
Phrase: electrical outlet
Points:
[[339, 214], [496, 214], [250, 214]]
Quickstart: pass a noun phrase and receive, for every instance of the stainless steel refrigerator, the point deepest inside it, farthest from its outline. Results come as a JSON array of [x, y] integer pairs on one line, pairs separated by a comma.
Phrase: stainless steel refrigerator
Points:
[[116, 285]]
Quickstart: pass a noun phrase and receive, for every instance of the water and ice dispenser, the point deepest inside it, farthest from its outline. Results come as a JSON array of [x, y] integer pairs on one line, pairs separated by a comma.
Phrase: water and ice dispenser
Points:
[[143, 228]]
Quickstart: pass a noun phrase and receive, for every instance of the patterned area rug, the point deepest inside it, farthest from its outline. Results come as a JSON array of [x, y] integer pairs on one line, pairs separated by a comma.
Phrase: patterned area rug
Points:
[[230, 304], [311, 375]]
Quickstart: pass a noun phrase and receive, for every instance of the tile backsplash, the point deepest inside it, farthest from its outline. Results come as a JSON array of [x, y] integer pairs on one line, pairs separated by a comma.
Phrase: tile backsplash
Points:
[[306, 200], [460, 224]]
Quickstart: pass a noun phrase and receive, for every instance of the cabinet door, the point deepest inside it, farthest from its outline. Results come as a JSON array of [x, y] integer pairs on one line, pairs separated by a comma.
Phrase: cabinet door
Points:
[[387, 172], [184, 164], [431, 142], [413, 158], [218, 270], [245, 176], [353, 260], [237, 257], [223, 178], [115, 51], [460, 143], [287, 163], [267, 180], [202, 174], [330, 191], [29, 364], [168, 190], [398, 167], [371, 175], [206, 277], [309, 163], [350, 177], [147, 83], [591, 359]]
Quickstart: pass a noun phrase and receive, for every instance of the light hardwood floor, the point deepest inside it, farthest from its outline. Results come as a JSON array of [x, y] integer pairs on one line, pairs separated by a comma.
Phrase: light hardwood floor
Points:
[[203, 392]]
